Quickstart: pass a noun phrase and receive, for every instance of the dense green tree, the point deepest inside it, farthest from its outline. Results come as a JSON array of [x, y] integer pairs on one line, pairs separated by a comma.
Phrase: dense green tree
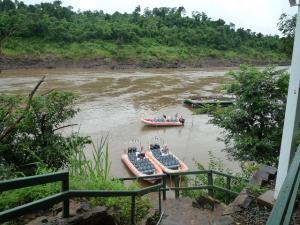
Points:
[[54, 22], [253, 125], [287, 25], [29, 130]]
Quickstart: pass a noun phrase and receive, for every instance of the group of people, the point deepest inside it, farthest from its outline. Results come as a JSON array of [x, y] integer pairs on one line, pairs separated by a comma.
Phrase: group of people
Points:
[[172, 119]]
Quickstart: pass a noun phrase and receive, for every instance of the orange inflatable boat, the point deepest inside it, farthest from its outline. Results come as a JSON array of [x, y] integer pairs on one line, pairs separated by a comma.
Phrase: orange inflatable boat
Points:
[[141, 165], [168, 162], [153, 122]]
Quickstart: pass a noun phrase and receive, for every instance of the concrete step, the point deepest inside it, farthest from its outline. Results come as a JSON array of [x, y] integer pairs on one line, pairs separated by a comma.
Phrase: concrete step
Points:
[[181, 212]]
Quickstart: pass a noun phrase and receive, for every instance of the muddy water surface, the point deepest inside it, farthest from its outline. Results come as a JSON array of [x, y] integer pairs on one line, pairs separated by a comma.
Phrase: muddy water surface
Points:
[[113, 102]]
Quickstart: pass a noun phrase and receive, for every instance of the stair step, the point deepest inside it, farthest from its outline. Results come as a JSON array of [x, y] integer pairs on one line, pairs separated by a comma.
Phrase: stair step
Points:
[[267, 199], [181, 212]]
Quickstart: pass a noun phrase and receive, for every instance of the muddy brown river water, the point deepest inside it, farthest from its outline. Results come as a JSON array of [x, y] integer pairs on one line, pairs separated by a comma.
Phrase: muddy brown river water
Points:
[[113, 102]]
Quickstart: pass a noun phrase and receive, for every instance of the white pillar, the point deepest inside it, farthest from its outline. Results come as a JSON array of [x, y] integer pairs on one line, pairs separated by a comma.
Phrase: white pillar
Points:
[[291, 120]]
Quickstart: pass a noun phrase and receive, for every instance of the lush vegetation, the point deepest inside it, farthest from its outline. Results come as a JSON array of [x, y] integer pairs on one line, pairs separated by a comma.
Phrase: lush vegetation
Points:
[[287, 26], [95, 178], [35, 138], [253, 125], [218, 165], [158, 35], [31, 144]]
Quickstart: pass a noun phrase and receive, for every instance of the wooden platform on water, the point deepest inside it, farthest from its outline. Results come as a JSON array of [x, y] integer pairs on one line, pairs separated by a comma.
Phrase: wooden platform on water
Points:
[[207, 102]]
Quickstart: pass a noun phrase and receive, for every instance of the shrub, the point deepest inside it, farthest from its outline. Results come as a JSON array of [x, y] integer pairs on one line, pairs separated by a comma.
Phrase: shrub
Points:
[[253, 125]]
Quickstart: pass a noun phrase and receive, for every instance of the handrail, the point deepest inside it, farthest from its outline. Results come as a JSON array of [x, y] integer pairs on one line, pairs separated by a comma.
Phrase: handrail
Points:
[[22, 182], [142, 177], [283, 209], [210, 187], [66, 193], [29, 207], [33, 180]]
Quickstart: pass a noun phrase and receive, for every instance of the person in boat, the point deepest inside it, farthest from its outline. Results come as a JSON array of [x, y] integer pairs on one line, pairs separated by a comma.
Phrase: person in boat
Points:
[[165, 150], [141, 154], [164, 117], [181, 120]]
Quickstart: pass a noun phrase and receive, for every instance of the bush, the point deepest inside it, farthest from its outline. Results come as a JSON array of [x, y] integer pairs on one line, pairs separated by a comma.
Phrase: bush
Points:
[[85, 174], [217, 164], [35, 138], [253, 125]]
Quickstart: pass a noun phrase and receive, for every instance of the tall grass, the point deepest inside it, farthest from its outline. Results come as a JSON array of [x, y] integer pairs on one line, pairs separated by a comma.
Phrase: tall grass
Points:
[[218, 165], [100, 164]]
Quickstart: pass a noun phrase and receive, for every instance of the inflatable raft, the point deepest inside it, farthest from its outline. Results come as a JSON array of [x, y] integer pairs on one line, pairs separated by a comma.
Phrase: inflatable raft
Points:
[[140, 165], [162, 122], [168, 162]]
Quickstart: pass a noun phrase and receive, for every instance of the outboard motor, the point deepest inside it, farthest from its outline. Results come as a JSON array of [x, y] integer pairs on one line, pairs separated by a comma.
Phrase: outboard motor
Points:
[[141, 155], [181, 120]]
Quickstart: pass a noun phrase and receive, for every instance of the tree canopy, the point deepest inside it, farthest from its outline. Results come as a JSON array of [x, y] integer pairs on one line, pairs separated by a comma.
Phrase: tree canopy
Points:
[[253, 125], [52, 22]]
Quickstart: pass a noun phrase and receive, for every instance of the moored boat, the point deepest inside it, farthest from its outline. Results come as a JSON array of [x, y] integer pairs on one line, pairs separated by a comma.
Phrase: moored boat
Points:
[[195, 103], [164, 121], [167, 161], [140, 165]]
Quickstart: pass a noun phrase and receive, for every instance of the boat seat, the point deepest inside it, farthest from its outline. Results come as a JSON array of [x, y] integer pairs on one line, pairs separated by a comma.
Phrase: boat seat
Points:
[[174, 167]]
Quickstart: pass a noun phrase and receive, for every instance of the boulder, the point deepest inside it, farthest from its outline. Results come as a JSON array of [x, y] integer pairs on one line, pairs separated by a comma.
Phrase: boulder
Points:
[[96, 216], [266, 199]]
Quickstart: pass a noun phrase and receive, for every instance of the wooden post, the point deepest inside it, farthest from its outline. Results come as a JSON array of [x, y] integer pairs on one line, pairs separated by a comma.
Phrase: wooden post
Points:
[[133, 210], [176, 186], [164, 187], [228, 186], [210, 183], [66, 203], [159, 201]]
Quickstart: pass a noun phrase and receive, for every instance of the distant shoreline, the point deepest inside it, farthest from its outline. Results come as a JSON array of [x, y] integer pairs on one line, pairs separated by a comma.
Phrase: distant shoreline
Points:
[[7, 63]]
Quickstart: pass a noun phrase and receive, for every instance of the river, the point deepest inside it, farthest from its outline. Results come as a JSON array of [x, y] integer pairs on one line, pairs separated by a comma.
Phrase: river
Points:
[[113, 102]]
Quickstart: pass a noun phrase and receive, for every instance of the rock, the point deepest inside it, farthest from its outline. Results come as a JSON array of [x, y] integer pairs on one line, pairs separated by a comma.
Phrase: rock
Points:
[[243, 200], [267, 199], [223, 220], [231, 209], [96, 216], [38, 220], [205, 202], [264, 174]]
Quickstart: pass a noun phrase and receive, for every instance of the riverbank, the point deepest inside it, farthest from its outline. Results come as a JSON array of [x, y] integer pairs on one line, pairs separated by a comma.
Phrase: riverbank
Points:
[[50, 62]]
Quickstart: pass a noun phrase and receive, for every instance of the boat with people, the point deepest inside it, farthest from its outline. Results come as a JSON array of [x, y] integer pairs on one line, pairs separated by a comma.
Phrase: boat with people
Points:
[[167, 161], [164, 121], [140, 164]]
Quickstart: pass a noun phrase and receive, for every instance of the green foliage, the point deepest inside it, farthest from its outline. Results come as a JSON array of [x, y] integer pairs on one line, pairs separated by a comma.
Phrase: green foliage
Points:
[[84, 175], [217, 164], [162, 33], [81, 166], [253, 125], [13, 198], [124, 203], [287, 25], [35, 139]]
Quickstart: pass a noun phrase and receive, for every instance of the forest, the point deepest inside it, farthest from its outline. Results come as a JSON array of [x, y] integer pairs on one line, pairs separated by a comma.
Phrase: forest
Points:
[[158, 34]]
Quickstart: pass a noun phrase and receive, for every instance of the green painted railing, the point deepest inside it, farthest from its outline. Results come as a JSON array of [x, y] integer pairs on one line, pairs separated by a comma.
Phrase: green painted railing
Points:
[[65, 195], [283, 209], [176, 176]]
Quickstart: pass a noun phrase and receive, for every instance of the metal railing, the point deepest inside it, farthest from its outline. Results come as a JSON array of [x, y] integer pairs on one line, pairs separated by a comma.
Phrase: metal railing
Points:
[[176, 176], [283, 209], [67, 194]]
